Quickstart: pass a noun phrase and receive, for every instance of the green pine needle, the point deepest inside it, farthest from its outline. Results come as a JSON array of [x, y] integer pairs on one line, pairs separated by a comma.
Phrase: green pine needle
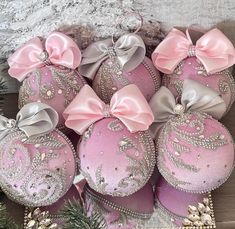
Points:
[[5, 220], [76, 217]]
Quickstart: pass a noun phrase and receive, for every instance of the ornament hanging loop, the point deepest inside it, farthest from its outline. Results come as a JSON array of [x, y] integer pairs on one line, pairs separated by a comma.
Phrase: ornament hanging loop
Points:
[[125, 16]]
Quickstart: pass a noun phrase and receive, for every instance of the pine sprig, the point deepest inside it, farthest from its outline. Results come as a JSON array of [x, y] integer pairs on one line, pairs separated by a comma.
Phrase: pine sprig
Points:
[[5, 220], [76, 217]]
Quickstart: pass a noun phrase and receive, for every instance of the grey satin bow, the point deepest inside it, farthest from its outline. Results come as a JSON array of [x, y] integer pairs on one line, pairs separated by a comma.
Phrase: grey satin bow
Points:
[[195, 98], [33, 119], [129, 50]]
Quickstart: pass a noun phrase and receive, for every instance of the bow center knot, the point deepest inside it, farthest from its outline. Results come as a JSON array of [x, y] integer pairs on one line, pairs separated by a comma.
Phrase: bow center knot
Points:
[[111, 52], [192, 50], [179, 109], [11, 124], [44, 57], [106, 111]]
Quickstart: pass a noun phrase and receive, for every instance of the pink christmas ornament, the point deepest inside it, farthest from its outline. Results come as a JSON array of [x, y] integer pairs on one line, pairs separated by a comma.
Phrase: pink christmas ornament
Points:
[[195, 151], [47, 69], [121, 212], [178, 205], [37, 161], [116, 152], [111, 66], [206, 62]]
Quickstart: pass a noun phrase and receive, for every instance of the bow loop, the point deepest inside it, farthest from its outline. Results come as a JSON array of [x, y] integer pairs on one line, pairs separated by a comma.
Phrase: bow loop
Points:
[[195, 98], [129, 50], [33, 119], [128, 105], [213, 49], [59, 49]]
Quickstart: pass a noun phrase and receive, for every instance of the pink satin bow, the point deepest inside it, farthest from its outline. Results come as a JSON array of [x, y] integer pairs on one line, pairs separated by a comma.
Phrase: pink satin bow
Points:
[[127, 104], [59, 49], [213, 49]]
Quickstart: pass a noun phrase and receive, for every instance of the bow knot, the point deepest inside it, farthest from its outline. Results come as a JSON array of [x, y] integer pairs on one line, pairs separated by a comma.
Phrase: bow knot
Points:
[[11, 124], [106, 111], [213, 50], [129, 51], [58, 49], [44, 57], [128, 105], [33, 119], [111, 52], [179, 109], [191, 51]]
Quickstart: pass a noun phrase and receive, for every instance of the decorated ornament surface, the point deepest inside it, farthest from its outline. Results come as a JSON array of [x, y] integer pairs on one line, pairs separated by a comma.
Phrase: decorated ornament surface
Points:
[[121, 212], [195, 151], [111, 66], [48, 71], [206, 62], [37, 161], [182, 207], [116, 151]]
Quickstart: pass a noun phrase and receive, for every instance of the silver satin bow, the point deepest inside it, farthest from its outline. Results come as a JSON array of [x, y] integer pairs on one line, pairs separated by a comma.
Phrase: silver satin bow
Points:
[[129, 50], [195, 98], [33, 119]]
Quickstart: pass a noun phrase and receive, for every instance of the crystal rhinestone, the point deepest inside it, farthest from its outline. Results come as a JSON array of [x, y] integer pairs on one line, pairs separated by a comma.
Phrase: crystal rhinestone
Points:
[[172, 220], [176, 140], [11, 123], [43, 56], [201, 208], [122, 143], [114, 88], [194, 217], [206, 219], [177, 153], [37, 145], [49, 93], [192, 209], [43, 155], [187, 222], [179, 109], [53, 226], [198, 223], [31, 224], [36, 212], [60, 91], [201, 136], [206, 201], [46, 222], [221, 136]]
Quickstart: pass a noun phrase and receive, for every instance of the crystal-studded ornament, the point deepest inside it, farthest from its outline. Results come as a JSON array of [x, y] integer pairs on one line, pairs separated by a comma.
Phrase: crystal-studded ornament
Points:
[[36, 171], [205, 152], [113, 160]]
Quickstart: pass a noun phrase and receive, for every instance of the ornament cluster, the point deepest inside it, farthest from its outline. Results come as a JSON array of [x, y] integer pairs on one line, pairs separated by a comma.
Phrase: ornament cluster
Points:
[[145, 132]]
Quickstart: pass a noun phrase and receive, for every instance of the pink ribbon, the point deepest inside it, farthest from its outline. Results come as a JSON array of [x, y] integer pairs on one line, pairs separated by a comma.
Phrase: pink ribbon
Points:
[[213, 49], [127, 104], [58, 49]]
